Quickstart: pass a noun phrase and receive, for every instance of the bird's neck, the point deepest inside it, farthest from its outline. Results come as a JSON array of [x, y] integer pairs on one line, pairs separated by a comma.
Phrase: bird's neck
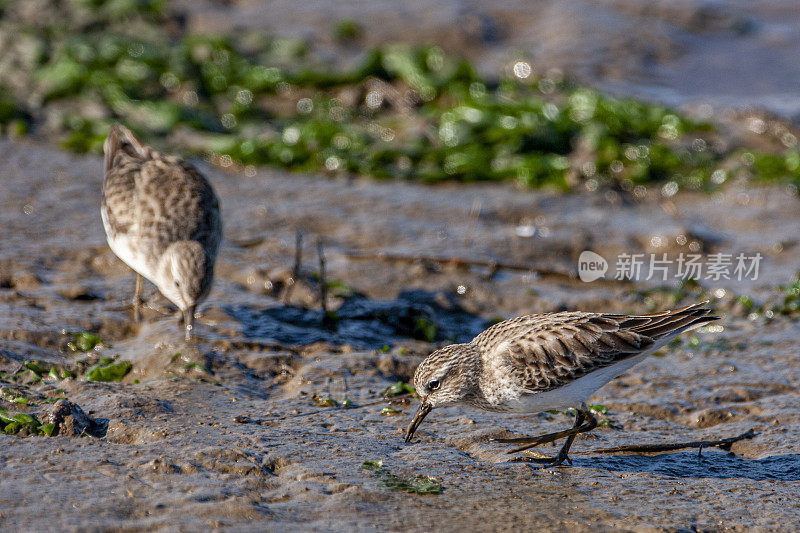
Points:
[[473, 365]]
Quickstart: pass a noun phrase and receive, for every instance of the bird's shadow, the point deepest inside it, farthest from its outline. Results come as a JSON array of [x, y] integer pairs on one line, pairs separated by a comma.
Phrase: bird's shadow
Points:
[[362, 322], [711, 464]]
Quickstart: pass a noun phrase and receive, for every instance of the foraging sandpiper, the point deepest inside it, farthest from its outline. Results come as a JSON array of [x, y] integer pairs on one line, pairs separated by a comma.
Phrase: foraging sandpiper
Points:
[[536, 363], [162, 218]]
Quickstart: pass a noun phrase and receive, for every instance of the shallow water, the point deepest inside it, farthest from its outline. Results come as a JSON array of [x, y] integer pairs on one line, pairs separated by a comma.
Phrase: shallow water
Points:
[[174, 448]]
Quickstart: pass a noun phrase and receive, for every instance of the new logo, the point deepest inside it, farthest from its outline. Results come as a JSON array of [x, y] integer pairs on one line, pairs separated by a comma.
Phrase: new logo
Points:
[[591, 266]]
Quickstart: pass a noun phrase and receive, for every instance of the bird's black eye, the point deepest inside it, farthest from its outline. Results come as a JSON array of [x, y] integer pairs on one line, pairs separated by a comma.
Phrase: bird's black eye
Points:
[[433, 384]]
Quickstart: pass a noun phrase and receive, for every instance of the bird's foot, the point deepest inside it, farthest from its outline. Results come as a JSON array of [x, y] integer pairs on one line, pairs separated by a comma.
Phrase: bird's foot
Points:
[[136, 311], [545, 462]]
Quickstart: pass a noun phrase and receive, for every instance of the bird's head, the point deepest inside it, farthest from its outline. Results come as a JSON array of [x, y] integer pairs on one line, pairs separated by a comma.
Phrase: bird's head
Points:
[[185, 277], [446, 377]]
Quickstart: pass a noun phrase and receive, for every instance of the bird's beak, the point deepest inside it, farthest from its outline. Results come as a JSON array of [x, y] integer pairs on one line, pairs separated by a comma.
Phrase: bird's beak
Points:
[[188, 320], [422, 412]]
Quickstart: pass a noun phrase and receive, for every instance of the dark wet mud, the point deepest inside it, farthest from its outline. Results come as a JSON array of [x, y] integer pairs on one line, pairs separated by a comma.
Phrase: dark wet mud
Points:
[[266, 420]]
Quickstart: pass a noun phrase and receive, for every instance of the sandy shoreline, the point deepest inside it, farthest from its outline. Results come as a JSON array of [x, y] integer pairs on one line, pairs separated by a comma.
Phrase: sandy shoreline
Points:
[[174, 458]]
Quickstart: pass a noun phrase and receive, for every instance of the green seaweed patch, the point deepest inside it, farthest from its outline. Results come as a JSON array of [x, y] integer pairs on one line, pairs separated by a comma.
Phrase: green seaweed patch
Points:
[[226, 89], [398, 389], [196, 367], [416, 484], [250, 99], [106, 369], [790, 305], [605, 420], [745, 301], [326, 401], [59, 372], [598, 409], [425, 330], [348, 30], [391, 411], [339, 289], [84, 341], [23, 424], [35, 370]]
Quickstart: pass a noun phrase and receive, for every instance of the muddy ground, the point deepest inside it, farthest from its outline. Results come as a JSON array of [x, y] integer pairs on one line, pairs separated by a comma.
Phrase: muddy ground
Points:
[[236, 441]]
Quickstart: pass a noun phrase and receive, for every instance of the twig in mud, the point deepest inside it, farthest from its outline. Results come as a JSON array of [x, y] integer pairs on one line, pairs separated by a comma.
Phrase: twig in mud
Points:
[[298, 259], [260, 466], [323, 280], [724, 444], [136, 478], [493, 266]]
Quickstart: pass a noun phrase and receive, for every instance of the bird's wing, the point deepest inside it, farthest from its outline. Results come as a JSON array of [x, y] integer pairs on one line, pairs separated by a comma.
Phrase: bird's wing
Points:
[[119, 198], [177, 201], [543, 352]]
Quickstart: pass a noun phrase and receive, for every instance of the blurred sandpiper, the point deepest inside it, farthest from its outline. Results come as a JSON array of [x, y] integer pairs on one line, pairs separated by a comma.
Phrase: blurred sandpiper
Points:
[[162, 218], [545, 362]]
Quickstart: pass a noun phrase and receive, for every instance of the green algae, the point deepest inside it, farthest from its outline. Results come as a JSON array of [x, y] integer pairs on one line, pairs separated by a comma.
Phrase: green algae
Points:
[[15, 423], [597, 408], [425, 330], [347, 30], [398, 389], [107, 370], [423, 114], [790, 304], [84, 341], [416, 484], [326, 401]]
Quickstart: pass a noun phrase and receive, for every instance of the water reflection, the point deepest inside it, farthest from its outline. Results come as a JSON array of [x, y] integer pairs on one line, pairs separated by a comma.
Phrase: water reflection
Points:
[[711, 464]]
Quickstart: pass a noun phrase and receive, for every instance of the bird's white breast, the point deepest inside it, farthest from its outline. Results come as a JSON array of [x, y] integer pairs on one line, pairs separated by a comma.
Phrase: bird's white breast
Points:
[[126, 246]]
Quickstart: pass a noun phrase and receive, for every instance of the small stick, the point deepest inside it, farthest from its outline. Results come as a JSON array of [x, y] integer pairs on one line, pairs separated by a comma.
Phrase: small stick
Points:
[[323, 281], [493, 266], [298, 259], [725, 444], [260, 466]]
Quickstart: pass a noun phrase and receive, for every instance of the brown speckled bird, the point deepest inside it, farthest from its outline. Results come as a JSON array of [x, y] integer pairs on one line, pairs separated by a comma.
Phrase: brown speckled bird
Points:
[[536, 363], [162, 218]]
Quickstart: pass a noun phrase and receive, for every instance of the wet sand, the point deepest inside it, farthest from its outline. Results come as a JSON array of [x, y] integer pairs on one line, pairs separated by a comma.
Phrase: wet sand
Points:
[[174, 456]]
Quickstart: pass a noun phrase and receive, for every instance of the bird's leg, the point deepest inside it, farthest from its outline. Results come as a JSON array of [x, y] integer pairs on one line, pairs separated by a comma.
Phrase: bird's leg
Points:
[[541, 439], [583, 414], [137, 299], [562, 453]]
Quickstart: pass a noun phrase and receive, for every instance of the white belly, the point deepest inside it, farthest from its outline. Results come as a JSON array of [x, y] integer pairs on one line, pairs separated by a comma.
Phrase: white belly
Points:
[[126, 247]]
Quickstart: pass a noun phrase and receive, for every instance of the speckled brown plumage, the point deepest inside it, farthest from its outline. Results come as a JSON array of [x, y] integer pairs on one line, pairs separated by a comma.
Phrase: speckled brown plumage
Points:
[[161, 217], [544, 352], [551, 361]]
